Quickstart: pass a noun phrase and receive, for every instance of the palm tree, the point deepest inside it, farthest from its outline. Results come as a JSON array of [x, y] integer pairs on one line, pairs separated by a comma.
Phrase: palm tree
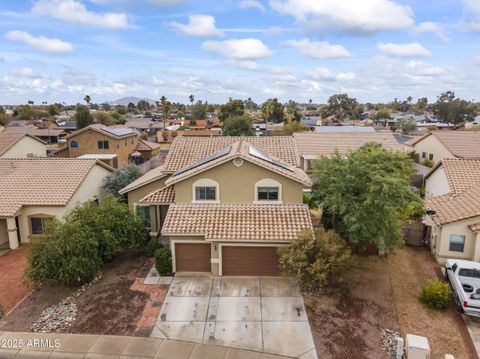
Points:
[[310, 101], [267, 110], [191, 98], [30, 102], [290, 110], [166, 106], [87, 99]]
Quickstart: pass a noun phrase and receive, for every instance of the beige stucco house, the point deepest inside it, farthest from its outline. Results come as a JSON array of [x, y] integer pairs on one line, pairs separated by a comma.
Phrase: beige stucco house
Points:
[[437, 145], [452, 190], [226, 204], [21, 145], [35, 189]]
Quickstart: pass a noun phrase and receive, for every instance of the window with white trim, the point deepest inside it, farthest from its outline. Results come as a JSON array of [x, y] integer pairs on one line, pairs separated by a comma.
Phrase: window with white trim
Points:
[[268, 193], [205, 190], [457, 243], [268, 190]]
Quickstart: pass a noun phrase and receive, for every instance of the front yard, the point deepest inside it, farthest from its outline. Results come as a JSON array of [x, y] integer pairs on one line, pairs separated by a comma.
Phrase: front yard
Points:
[[382, 293]]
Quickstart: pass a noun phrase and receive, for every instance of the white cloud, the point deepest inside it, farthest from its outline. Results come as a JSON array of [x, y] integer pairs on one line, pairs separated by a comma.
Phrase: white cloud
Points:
[[132, 2], [240, 49], [351, 15], [198, 25], [319, 49], [243, 64], [432, 27], [321, 73], [40, 42], [76, 12], [472, 14], [419, 68], [22, 72], [413, 49], [252, 4], [345, 76]]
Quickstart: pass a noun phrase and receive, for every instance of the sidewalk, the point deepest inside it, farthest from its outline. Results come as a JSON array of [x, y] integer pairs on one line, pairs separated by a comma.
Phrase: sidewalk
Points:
[[76, 346]]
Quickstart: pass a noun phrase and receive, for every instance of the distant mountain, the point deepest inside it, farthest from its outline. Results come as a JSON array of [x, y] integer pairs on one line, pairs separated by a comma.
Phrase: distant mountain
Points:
[[124, 101]]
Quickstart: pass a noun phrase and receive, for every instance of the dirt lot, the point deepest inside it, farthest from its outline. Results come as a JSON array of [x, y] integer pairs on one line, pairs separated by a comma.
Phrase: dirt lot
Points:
[[382, 293], [107, 307], [12, 287]]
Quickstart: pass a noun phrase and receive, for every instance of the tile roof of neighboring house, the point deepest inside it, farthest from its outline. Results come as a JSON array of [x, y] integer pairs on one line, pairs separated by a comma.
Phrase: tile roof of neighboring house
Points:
[[34, 131], [455, 207], [242, 222], [204, 133], [8, 140], [461, 173], [40, 181], [147, 178], [463, 144], [244, 150], [116, 132], [324, 144], [187, 150], [144, 123], [163, 195], [144, 145]]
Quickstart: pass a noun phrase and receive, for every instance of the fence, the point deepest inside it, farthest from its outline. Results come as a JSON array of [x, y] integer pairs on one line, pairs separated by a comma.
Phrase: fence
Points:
[[414, 234]]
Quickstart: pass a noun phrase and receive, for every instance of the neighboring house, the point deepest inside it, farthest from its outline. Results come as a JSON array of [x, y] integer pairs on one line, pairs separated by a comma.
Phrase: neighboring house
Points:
[[311, 146], [453, 201], [344, 129], [21, 145], [226, 204], [114, 145], [35, 189], [437, 145], [48, 135]]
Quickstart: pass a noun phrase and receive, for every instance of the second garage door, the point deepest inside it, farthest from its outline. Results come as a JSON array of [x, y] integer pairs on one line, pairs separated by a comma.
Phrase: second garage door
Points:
[[192, 257], [250, 261]]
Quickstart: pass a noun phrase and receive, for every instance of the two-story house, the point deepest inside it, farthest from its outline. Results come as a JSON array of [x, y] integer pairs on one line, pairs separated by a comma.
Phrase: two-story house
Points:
[[114, 145], [226, 204]]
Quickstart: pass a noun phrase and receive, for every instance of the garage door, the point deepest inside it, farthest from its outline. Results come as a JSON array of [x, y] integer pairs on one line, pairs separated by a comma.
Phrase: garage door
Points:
[[250, 261], [192, 257]]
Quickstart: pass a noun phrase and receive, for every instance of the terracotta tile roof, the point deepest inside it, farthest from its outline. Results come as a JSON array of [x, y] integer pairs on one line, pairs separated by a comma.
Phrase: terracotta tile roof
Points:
[[187, 150], [40, 181], [144, 145], [148, 177], [241, 149], [160, 196], [244, 222], [461, 173], [116, 132], [8, 140], [462, 144], [451, 207], [35, 131], [475, 227], [324, 144]]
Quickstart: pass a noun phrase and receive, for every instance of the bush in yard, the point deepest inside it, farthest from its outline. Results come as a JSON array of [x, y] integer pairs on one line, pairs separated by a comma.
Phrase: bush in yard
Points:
[[163, 261], [151, 247], [436, 294], [73, 250], [121, 178], [317, 259]]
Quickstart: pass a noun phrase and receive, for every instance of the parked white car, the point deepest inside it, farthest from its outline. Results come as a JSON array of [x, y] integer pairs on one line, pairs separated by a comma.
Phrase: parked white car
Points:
[[464, 277]]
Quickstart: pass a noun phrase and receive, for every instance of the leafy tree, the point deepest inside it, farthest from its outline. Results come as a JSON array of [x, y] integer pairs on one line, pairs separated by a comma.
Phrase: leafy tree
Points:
[[106, 106], [238, 126], [131, 107], [340, 107], [104, 118], [451, 109], [83, 117], [421, 105], [382, 114], [4, 118], [366, 195], [53, 110], [233, 108], [267, 110], [26, 112], [405, 125], [198, 111], [291, 112], [122, 110], [317, 259], [274, 110], [250, 104], [118, 119], [121, 178], [293, 127], [143, 105]]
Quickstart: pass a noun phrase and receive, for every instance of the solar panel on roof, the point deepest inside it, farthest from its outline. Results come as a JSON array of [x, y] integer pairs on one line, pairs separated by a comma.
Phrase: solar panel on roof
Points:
[[213, 156], [118, 131], [256, 152]]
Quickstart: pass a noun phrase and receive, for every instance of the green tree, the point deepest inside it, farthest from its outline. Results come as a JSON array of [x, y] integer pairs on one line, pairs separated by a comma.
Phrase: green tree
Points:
[[292, 127], [143, 105], [191, 98], [233, 108], [274, 109], [451, 109], [340, 107], [4, 118], [250, 104], [267, 110], [131, 107], [366, 195], [166, 106], [121, 178], [87, 99], [238, 126], [104, 118], [317, 259], [405, 125], [198, 111], [382, 114], [291, 112], [53, 110], [83, 117]]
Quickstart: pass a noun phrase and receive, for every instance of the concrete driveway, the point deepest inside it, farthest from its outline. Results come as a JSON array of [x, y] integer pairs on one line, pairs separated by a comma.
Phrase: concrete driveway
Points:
[[263, 314]]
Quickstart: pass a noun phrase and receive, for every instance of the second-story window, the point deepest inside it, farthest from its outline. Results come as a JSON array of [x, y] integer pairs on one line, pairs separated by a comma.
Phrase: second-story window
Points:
[[102, 145], [73, 144], [205, 193], [268, 193]]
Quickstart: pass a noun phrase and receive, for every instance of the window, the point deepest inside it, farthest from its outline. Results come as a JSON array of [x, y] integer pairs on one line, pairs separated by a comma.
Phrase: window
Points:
[[424, 154], [267, 193], [430, 156], [457, 243], [102, 145], [73, 144], [205, 193], [37, 225]]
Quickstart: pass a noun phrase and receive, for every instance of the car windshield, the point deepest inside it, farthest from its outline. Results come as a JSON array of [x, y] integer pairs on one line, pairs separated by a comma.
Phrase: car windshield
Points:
[[471, 273]]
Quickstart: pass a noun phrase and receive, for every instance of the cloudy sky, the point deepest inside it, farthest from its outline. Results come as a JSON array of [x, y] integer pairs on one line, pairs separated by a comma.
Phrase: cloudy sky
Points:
[[375, 50]]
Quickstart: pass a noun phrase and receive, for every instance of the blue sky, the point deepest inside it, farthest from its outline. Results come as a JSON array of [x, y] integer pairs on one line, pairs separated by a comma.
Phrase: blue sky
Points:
[[375, 50]]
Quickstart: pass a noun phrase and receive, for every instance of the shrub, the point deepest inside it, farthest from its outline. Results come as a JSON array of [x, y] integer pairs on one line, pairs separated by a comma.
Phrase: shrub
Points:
[[151, 247], [428, 163], [119, 179], [436, 294], [163, 261], [317, 260]]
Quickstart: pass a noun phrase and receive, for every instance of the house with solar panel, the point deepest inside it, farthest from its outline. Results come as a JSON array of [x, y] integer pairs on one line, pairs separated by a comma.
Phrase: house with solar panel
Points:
[[225, 205], [116, 146]]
